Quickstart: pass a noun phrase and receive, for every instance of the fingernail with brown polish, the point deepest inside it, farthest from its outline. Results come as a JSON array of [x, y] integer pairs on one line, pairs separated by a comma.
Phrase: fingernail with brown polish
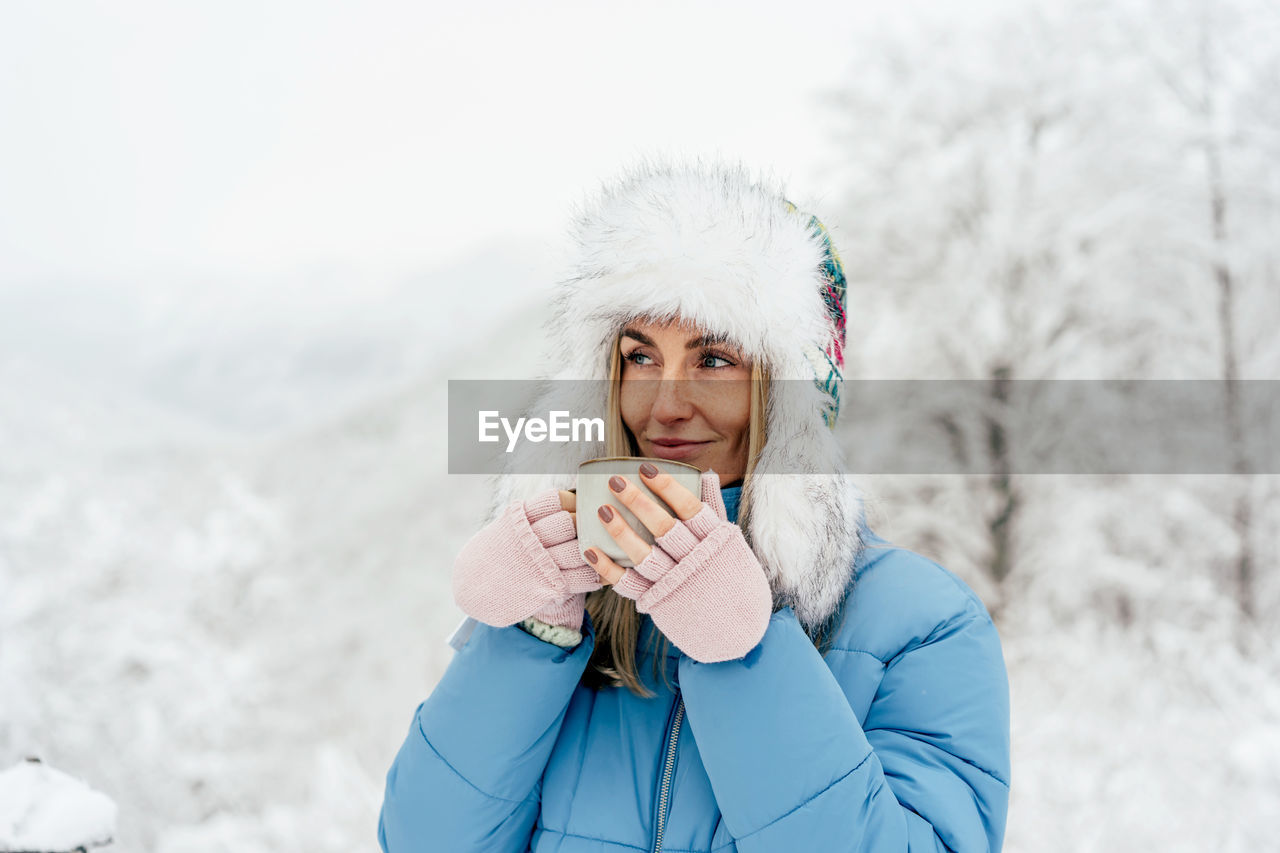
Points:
[[606, 513], [649, 470], [617, 483], [591, 557]]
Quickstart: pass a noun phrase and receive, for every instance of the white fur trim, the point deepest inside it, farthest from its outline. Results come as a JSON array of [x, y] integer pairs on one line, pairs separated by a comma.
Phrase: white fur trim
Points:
[[557, 635]]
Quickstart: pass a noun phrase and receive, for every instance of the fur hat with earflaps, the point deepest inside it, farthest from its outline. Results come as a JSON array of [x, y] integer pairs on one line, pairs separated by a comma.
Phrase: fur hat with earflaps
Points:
[[709, 245]]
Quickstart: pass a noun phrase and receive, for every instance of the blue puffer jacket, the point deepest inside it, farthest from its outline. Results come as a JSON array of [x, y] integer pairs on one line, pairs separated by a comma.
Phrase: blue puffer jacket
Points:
[[897, 739]]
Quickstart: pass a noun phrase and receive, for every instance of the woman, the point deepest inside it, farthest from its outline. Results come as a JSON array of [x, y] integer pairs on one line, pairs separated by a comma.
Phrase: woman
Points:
[[815, 688]]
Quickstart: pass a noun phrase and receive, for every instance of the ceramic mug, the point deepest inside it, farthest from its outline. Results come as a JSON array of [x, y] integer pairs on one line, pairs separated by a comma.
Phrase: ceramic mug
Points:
[[593, 491]]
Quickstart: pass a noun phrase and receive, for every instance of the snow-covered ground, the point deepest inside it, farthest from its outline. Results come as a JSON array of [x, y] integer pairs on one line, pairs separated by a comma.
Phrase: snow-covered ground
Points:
[[42, 808]]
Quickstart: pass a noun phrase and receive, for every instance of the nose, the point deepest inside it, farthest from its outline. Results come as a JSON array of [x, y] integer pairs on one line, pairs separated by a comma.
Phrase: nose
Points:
[[672, 401]]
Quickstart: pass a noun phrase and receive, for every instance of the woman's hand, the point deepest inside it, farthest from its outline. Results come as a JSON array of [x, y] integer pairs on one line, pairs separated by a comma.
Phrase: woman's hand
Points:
[[700, 582], [569, 503], [527, 562]]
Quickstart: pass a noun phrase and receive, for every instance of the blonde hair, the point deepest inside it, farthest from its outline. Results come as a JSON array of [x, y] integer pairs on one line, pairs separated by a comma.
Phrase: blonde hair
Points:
[[615, 618]]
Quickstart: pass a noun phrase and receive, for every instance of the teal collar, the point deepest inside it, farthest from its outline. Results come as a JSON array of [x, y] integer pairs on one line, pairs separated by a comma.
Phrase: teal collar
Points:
[[731, 495]]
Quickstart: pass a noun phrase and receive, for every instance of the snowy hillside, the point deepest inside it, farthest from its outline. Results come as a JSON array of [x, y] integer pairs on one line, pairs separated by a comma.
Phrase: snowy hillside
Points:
[[222, 630]]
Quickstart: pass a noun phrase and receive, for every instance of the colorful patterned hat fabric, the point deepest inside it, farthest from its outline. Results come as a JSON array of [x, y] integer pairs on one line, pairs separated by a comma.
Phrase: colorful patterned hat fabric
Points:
[[827, 357]]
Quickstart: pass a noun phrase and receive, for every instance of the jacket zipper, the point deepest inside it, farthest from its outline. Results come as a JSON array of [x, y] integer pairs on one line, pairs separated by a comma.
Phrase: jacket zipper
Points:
[[665, 796]]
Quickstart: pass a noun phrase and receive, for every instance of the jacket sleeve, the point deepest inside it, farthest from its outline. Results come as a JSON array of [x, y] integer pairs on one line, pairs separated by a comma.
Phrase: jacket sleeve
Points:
[[793, 769], [469, 775]]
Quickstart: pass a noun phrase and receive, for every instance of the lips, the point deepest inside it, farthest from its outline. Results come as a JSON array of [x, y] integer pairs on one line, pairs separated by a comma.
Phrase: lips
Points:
[[676, 448]]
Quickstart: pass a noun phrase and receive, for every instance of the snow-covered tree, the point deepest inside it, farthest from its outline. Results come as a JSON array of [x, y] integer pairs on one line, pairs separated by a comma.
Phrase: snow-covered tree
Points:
[[1024, 197]]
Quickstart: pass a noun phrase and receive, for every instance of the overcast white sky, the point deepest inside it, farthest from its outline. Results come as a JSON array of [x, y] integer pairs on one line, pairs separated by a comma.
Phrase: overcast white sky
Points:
[[250, 140]]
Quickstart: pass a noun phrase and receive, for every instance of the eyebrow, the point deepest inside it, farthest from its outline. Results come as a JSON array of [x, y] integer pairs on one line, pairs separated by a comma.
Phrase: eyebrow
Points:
[[696, 343]]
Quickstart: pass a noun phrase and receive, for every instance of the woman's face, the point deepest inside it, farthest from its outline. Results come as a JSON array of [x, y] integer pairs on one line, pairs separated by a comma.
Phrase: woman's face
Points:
[[691, 409]]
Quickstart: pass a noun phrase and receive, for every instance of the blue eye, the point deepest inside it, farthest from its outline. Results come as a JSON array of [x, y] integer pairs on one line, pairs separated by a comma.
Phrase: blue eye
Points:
[[635, 356]]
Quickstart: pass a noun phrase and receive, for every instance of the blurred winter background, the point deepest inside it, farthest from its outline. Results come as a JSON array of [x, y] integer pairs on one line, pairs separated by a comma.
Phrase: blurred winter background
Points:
[[243, 246]]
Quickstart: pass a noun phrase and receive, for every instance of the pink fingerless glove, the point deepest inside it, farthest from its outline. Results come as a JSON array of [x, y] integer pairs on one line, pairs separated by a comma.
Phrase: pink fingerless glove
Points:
[[702, 584], [524, 563]]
